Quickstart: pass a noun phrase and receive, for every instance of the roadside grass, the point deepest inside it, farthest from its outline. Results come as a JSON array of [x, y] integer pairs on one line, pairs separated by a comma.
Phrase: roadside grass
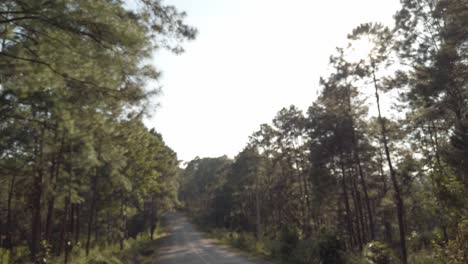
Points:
[[242, 242], [141, 250], [144, 251]]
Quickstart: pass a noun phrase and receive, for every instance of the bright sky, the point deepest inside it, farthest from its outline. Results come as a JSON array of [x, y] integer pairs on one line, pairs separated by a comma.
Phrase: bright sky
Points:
[[250, 59]]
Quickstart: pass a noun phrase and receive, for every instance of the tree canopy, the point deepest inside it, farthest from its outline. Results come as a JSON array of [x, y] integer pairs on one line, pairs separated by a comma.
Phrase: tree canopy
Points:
[[353, 179], [78, 168]]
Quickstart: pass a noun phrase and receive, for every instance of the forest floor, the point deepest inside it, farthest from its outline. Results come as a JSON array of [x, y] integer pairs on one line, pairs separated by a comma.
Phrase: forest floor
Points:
[[184, 244]]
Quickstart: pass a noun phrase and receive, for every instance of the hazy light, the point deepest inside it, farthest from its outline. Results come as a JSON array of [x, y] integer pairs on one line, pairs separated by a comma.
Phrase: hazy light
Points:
[[360, 49], [251, 58]]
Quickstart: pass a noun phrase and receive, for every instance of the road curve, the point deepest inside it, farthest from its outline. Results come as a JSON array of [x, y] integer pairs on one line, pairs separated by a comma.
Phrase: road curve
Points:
[[185, 245]]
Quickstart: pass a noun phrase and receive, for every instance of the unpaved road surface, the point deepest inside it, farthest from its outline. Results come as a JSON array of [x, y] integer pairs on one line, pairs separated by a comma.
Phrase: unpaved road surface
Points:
[[185, 245]]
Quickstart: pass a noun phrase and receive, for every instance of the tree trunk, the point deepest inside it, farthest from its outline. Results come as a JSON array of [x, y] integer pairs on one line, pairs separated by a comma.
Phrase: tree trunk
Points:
[[64, 226], [1, 226], [96, 224], [122, 224], [49, 217], [362, 180], [69, 233], [72, 221], [346, 200], [361, 216], [54, 174], [36, 195], [152, 218], [366, 197], [398, 199], [357, 158], [357, 206], [108, 228], [8, 243], [257, 215], [91, 211], [77, 224]]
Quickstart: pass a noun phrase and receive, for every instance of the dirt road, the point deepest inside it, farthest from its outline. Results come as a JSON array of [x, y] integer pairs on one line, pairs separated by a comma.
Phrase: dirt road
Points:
[[185, 245]]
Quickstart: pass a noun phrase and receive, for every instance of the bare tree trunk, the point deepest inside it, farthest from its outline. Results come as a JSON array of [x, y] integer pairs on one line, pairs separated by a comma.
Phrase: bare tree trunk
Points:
[[346, 200], [64, 226], [49, 217], [96, 224], [362, 181], [308, 196], [258, 215], [361, 216], [1, 226], [8, 243], [109, 228], [54, 174], [123, 219], [152, 218], [91, 212], [358, 212], [302, 194], [77, 224], [398, 197], [92, 208], [366, 197], [36, 195], [72, 222], [69, 233]]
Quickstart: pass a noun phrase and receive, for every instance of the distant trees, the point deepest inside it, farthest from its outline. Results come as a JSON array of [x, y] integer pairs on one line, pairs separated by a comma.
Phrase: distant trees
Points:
[[200, 185], [355, 174], [76, 162]]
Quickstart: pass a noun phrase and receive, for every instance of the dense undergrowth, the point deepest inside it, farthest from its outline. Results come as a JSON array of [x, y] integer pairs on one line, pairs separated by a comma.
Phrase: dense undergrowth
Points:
[[326, 248], [141, 249], [136, 250]]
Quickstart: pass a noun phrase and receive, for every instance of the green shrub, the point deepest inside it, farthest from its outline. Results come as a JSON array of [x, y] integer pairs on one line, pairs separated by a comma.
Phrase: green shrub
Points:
[[377, 253], [331, 249], [102, 257], [289, 239], [4, 256], [455, 251], [306, 251], [274, 248], [420, 241], [244, 241], [324, 248], [423, 256], [20, 254]]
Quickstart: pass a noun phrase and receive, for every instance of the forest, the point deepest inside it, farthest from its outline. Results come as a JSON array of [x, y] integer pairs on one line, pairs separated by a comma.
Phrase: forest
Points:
[[78, 168], [375, 171]]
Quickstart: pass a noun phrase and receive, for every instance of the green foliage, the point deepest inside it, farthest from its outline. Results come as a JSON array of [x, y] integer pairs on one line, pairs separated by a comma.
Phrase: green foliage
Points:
[[422, 257], [200, 182], [5, 256], [79, 170], [330, 248], [288, 238], [455, 251], [420, 241], [389, 175], [325, 248], [378, 253], [99, 257], [241, 240], [44, 253], [76, 161], [306, 251], [137, 250]]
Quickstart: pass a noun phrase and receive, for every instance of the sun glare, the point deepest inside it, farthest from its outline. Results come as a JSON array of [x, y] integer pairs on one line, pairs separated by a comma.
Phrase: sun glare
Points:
[[359, 50]]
